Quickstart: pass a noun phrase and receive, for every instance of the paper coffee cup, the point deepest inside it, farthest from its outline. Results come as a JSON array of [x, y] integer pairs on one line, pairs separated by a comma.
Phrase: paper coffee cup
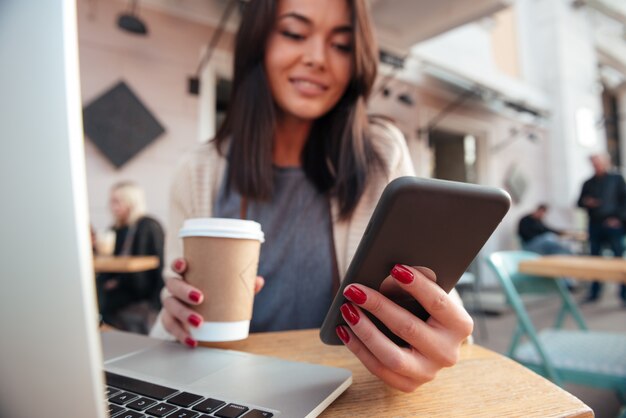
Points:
[[222, 259], [105, 242]]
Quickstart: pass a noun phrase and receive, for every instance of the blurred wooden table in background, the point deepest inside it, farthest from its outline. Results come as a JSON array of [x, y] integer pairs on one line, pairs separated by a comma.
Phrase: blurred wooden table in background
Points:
[[124, 264], [581, 267]]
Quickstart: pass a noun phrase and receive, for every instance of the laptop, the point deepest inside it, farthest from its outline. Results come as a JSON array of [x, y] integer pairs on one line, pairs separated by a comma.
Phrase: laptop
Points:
[[52, 356]]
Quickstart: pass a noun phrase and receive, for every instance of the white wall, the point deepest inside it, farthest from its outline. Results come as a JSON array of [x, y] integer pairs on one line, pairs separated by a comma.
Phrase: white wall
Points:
[[559, 57], [156, 67]]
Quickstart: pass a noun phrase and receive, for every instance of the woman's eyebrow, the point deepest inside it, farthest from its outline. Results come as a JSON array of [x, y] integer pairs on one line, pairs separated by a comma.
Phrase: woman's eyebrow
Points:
[[296, 16], [309, 22]]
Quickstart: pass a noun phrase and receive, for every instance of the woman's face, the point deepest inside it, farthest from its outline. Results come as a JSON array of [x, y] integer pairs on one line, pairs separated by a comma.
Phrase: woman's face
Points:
[[119, 208], [308, 58]]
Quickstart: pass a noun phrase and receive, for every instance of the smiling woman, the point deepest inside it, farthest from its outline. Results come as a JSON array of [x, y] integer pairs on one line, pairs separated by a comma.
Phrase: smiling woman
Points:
[[298, 154], [316, 39], [305, 67]]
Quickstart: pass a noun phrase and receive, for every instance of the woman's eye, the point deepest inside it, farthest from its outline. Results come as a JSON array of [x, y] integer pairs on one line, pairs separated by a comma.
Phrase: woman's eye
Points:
[[292, 35], [343, 47]]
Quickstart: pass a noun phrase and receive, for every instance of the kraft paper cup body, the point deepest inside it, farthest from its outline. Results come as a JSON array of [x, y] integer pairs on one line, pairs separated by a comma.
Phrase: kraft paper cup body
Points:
[[222, 259]]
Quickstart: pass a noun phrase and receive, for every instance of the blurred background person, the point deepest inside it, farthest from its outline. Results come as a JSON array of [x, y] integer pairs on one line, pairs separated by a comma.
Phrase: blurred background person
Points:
[[604, 198], [130, 301], [539, 238]]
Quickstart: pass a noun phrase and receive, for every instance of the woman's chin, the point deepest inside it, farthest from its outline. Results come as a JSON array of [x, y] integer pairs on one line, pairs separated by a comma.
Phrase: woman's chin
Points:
[[308, 113]]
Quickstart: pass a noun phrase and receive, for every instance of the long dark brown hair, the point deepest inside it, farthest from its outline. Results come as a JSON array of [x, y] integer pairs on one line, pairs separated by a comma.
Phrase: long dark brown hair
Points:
[[338, 156]]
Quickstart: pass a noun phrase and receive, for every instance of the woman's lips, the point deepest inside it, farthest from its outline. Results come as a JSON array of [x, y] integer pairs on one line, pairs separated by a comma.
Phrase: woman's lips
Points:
[[308, 87]]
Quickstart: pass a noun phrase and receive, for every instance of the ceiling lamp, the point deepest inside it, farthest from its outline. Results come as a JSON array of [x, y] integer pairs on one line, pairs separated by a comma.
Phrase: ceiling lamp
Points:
[[130, 22]]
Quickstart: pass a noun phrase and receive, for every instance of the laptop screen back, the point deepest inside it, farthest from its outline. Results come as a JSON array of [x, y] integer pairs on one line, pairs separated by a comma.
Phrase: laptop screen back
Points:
[[50, 352]]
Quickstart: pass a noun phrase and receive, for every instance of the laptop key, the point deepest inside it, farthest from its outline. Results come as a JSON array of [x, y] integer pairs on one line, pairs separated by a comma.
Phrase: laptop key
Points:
[[161, 410], [231, 411], [185, 399], [113, 409], [139, 386], [130, 414], [184, 413], [208, 405], [255, 413], [110, 392], [141, 404], [122, 398]]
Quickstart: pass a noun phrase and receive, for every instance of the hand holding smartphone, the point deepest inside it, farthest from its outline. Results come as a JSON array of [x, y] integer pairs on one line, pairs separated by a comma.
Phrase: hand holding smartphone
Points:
[[437, 224]]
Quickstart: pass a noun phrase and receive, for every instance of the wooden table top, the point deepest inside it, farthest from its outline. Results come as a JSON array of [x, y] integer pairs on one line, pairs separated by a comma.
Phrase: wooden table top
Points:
[[124, 264], [482, 384], [577, 267]]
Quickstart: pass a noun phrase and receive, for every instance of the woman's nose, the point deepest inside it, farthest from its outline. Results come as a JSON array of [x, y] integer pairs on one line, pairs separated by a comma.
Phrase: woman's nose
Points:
[[315, 54]]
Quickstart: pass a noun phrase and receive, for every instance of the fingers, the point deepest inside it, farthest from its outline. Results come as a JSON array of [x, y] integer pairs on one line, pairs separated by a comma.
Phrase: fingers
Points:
[[177, 296], [425, 340], [406, 362], [434, 299], [434, 343], [177, 329], [179, 265], [182, 290], [376, 367]]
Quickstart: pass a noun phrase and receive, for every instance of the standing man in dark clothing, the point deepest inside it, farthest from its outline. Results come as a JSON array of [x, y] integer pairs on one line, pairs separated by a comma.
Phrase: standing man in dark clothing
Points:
[[539, 238], [604, 198]]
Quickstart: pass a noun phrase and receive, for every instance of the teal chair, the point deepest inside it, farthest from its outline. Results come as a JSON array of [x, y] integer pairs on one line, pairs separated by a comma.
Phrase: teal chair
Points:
[[578, 356]]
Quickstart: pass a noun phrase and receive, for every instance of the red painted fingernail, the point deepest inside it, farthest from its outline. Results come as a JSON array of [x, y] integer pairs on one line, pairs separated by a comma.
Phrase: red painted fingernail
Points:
[[194, 320], [355, 294], [178, 264], [350, 313], [402, 274], [195, 296], [343, 334], [191, 342]]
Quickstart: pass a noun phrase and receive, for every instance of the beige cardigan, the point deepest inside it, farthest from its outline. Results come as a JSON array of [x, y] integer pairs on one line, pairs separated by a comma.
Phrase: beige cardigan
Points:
[[199, 176]]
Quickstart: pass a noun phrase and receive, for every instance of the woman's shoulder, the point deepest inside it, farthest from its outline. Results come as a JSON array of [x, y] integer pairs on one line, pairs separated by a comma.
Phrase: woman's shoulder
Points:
[[200, 154], [199, 159]]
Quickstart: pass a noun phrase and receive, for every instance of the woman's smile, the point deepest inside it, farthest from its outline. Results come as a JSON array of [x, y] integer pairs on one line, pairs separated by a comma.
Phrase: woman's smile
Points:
[[308, 86]]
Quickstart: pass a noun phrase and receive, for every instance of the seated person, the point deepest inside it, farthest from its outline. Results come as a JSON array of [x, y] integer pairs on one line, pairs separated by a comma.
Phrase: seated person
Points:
[[130, 301], [298, 154], [539, 238]]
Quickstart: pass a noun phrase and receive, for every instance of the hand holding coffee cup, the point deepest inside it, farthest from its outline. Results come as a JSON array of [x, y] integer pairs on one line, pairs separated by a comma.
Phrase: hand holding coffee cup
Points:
[[221, 260], [179, 297]]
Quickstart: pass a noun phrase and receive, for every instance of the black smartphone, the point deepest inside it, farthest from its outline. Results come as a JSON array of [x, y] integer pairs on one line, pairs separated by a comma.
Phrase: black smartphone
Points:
[[437, 224]]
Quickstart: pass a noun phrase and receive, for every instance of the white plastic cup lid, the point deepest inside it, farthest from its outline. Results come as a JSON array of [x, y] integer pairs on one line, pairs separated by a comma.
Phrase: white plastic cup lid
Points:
[[222, 228]]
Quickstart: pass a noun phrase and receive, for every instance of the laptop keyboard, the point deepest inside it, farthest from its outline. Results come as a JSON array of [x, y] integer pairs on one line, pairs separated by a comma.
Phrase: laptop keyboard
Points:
[[132, 398]]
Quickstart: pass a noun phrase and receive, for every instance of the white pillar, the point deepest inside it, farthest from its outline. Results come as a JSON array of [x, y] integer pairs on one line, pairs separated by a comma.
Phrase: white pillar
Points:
[[559, 56], [206, 104]]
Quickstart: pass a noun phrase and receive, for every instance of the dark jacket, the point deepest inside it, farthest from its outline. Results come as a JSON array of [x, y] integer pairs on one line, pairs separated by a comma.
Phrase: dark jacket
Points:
[[530, 228], [610, 190], [144, 238]]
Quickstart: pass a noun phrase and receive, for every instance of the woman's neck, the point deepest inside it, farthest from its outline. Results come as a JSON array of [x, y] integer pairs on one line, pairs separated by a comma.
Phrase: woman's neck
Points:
[[289, 139]]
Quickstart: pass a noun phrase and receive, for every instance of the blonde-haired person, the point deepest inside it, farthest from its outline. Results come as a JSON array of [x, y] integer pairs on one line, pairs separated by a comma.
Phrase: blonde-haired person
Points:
[[130, 301], [127, 203]]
